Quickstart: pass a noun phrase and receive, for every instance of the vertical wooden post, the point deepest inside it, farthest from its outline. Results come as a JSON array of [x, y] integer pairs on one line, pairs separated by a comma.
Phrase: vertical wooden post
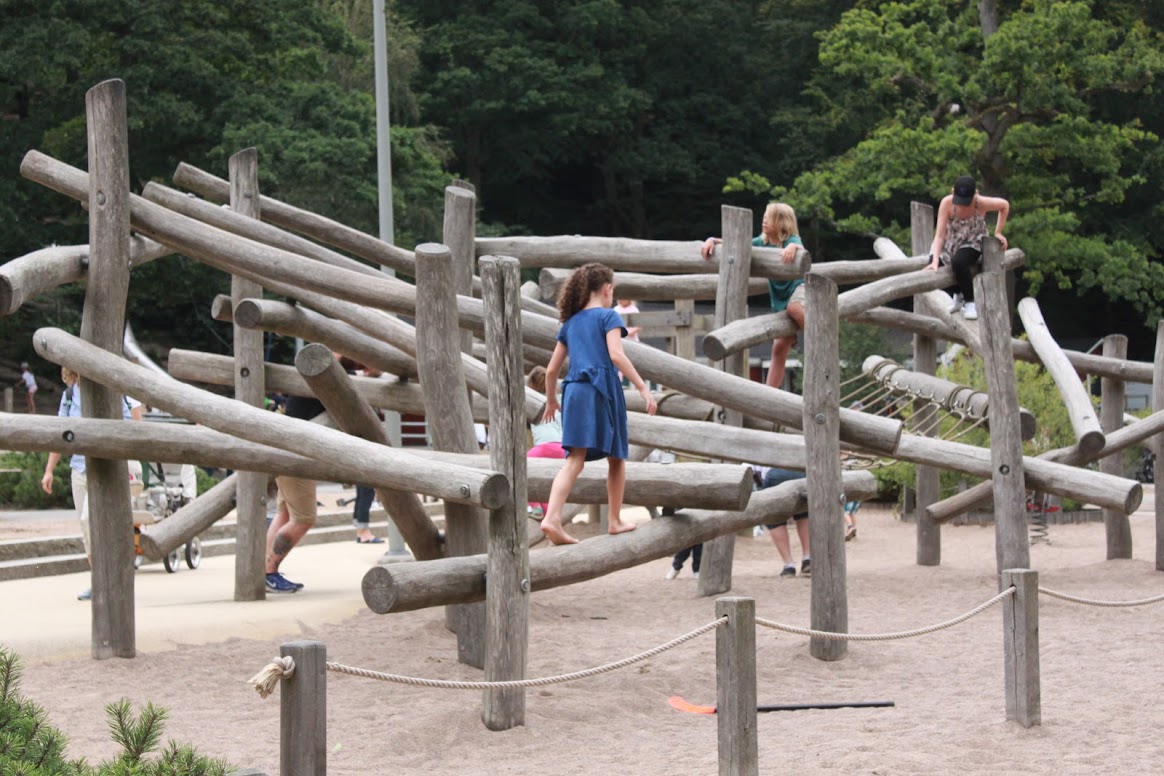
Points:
[[303, 711], [925, 361], [731, 303], [8, 400], [507, 592], [450, 422], [249, 388], [1012, 545], [822, 443], [1113, 401], [1020, 619], [459, 234], [103, 324], [1157, 444], [685, 337], [735, 687]]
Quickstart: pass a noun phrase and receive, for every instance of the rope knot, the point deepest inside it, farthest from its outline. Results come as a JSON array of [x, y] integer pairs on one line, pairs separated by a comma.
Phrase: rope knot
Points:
[[265, 680]]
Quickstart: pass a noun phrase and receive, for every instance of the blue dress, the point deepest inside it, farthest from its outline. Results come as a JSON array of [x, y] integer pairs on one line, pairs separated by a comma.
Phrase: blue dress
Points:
[[593, 405]]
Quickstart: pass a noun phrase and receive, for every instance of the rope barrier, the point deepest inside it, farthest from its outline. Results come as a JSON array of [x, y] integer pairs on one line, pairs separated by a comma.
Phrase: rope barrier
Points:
[[278, 668], [1093, 602], [829, 635]]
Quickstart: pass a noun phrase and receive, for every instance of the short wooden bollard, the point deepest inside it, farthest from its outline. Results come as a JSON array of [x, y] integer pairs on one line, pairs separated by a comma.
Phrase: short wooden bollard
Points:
[[735, 684], [1020, 619], [303, 711]]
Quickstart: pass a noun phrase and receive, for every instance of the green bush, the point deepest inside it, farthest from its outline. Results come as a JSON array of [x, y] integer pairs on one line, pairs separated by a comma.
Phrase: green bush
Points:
[[30, 745], [21, 490]]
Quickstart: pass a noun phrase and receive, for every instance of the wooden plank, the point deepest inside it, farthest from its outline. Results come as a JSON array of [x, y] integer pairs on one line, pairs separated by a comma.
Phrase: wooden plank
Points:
[[303, 711], [822, 391], [507, 597], [735, 687], [927, 479], [406, 586], [103, 325], [1084, 421], [1012, 545], [1020, 614], [1117, 527]]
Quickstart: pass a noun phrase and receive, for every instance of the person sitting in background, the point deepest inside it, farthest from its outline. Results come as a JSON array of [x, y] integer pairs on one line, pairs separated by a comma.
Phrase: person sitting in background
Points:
[[547, 434]]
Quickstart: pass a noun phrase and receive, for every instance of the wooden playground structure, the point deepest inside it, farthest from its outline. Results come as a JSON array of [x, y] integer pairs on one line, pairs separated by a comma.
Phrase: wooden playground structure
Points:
[[477, 330]]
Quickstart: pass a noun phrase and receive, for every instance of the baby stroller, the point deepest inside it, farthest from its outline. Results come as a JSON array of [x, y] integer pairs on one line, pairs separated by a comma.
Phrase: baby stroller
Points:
[[166, 488]]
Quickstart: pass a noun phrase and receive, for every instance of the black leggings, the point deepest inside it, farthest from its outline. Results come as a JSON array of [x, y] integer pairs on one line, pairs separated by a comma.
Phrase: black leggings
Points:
[[695, 553], [965, 263]]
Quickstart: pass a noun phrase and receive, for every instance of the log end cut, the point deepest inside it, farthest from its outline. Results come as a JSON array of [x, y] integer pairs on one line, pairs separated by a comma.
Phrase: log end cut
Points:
[[713, 348], [379, 590], [1091, 442]]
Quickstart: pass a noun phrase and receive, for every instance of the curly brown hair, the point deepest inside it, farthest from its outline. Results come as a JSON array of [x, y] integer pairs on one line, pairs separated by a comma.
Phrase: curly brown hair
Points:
[[576, 293]]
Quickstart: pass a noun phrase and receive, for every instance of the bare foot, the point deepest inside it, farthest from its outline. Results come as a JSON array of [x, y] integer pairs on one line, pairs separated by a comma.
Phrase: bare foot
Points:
[[621, 527], [555, 533]]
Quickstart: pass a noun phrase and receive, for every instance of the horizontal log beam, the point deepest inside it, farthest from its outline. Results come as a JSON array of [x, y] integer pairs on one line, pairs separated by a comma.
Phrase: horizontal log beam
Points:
[[404, 587], [160, 539], [635, 285]]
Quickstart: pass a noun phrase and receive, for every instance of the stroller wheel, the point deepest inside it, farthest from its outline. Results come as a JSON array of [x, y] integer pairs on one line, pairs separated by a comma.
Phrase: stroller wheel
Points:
[[194, 553], [172, 561]]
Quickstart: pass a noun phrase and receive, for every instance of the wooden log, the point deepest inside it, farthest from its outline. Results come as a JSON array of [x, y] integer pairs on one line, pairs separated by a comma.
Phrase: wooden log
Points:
[[635, 285], [1084, 421], [735, 687], [399, 470], [713, 440], [27, 277], [250, 560], [295, 321], [1012, 545], [304, 222], [299, 275], [1117, 527], [353, 415], [927, 479], [236, 223], [458, 232], [450, 422], [1020, 618], [159, 539], [303, 711], [731, 303], [404, 587], [743, 334], [1157, 443], [102, 326], [507, 598], [822, 393]]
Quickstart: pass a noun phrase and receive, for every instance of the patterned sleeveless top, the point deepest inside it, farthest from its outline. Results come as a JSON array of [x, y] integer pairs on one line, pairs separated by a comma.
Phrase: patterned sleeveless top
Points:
[[963, 232]]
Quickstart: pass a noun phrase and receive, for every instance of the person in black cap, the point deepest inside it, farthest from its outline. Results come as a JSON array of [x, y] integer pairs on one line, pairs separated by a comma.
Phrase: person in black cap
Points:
[[958, 240]]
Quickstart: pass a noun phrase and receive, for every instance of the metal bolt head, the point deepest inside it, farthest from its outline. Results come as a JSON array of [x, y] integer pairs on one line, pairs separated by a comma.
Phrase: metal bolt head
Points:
[[465, 491], [245, 372], [525, 585], [819, 418], [68, 436], [101, 198], [1004, 469]]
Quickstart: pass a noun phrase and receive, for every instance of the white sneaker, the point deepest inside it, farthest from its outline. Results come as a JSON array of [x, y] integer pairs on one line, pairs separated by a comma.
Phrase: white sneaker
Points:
[[956, 305], [696, 575], [970, 312], [672, 573]]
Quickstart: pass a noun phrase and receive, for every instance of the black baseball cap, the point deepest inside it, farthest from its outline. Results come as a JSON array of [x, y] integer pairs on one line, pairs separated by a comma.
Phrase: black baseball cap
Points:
[[964, 189]]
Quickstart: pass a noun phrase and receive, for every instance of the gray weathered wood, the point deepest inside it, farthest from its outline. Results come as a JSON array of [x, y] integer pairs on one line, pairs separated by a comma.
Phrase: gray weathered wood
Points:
[[731, 303], [927, 479], [1012, 546], [1157, 443], [1117, 527], [735, 687], [402, 587], [635, 285], [450, 421], [684, 342], [822, 392], [458, 233], [1020, 617], [1084, 421], [296, 321], [303, 711], [352, 414], [507, 598], [400, 470], [237, 255], [159, 539], [251, 492], [103, 325], [27, 277]]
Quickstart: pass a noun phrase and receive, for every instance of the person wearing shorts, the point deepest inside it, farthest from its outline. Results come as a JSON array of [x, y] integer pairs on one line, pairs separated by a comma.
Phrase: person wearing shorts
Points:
[[779, 531], [295, 509]]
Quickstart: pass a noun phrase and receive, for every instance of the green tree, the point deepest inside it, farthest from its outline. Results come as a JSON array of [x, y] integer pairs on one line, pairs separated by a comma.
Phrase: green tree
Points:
[[1050, 103]]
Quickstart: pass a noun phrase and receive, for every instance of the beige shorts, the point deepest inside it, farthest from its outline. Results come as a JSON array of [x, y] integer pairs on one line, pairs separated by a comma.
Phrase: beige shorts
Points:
[[798, 296], [299, 496], [80, 485]]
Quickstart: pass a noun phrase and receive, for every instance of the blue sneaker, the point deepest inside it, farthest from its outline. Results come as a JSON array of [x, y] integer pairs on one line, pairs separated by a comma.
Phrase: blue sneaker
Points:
[[277, 583]]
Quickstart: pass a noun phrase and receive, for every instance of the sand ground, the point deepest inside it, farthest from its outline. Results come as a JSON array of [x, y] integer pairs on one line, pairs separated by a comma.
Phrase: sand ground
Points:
[[1101, 668]]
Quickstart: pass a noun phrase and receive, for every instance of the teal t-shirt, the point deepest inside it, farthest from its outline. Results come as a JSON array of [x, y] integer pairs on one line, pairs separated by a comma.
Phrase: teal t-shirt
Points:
[[780, 291]]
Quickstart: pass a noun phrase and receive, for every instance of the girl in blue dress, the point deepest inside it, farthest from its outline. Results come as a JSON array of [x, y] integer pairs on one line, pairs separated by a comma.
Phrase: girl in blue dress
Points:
[[593, 406]]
